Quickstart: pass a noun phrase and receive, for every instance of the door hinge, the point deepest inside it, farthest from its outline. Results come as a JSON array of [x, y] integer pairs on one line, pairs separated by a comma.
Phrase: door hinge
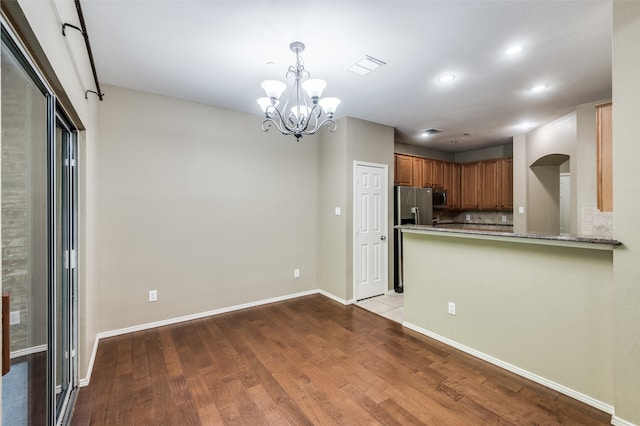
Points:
[[65, 259], [74, 259], [73, 353]]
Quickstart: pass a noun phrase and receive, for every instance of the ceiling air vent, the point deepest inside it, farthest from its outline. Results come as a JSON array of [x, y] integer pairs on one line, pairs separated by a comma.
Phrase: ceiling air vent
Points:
[[365, 65], [432, 131]]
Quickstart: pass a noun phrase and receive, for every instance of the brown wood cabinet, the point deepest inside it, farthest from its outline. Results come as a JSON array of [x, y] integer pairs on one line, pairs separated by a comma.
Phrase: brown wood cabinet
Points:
[[433, 173], [604, 157], [427, 172], [479, 185], [469, 185], [404, 170], [437, 178], [489, 184], [451, 182], [418, 167], [506, 183]]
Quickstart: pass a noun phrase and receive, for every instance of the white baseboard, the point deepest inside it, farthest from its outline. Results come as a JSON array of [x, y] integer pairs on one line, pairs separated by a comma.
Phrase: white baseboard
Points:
[[334, 297], [85, 381], [28, 351], [517, 370], [617, 421]]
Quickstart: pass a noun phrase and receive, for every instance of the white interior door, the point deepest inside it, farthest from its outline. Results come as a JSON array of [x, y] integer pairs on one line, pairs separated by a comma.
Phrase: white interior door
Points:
[[370, 229]]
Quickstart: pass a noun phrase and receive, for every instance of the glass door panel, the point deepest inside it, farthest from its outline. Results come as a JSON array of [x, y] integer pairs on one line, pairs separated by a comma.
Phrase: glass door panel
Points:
[[65, 266], [25, 244]]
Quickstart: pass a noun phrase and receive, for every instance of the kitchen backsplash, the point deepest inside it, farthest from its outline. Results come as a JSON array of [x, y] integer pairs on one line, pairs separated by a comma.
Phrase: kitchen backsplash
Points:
[[475, 217], [596, 223]]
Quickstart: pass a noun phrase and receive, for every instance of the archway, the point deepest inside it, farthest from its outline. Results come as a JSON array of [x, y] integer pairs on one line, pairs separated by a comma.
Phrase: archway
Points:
[[547, 214]]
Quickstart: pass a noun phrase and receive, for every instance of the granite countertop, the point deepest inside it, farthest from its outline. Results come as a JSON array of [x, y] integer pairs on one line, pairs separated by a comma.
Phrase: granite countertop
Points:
[[496, 231]]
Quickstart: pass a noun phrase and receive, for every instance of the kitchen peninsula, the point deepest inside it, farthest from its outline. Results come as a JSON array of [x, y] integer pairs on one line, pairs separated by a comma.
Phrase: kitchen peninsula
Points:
[[538, 305]]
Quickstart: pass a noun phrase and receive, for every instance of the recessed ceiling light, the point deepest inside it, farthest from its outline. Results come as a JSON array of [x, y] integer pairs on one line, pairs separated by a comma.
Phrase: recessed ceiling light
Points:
[[513, 50], [525, 125], [445, 78], [539, 88]]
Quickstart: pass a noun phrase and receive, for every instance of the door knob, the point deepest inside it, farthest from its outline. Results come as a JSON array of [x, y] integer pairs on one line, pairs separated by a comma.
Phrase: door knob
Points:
[[383, 237]]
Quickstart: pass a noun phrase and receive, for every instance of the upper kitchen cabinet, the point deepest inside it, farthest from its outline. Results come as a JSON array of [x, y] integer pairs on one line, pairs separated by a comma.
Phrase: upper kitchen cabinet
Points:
[[417, 171], [489, 184], [481, 185], [506, 183], [469, 185], [604, 160], [451, 182], [404, 170], [433, 173]]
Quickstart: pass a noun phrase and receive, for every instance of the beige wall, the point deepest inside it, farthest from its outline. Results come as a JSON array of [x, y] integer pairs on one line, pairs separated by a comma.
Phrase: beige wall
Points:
[[355, 140], [520, 187], [484, 153], [199, 204], [543, 181], [544, 309], [626, 177], [421, 151], [369, 142], [332, 230], [574, 135]]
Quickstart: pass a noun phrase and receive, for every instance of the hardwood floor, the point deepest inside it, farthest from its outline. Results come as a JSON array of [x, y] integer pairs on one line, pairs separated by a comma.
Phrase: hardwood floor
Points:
[[307, 361]]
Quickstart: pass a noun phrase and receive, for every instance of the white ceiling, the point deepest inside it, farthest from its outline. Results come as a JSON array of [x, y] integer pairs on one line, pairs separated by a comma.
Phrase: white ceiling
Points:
[[216, 52]]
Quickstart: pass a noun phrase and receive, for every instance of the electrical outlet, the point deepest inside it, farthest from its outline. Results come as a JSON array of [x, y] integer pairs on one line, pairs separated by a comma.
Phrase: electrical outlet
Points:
[[296, 273], [504, 218], [153, 295], [468, 217], [14, 318], [452, 308]]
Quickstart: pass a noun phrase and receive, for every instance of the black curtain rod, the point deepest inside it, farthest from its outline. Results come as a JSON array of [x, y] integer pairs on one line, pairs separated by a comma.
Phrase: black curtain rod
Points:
[[83, 31]]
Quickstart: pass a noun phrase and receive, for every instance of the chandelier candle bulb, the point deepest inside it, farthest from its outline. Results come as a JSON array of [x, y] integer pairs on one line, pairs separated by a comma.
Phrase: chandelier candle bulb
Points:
[[303, 101]]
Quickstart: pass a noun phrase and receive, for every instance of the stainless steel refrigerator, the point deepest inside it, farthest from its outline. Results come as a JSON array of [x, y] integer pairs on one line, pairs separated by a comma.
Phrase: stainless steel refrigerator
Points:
[[413, 206]]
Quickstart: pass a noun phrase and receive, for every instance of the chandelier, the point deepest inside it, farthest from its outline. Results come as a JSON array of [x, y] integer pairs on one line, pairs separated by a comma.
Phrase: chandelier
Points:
[[301, 113]]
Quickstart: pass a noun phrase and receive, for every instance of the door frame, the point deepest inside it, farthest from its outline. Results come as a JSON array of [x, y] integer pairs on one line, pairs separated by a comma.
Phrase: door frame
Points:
[[354, 257]]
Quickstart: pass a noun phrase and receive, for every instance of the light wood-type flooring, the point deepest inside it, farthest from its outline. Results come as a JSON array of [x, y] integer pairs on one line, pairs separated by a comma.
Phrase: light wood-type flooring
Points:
[[308, 361]]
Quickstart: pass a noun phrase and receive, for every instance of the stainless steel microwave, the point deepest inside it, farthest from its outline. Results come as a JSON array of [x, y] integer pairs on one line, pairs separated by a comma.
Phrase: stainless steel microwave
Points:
[[439, 197]]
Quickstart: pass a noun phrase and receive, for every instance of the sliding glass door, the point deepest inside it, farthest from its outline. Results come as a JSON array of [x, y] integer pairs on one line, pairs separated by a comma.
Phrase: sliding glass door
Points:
[[66, 260], [39, 257]]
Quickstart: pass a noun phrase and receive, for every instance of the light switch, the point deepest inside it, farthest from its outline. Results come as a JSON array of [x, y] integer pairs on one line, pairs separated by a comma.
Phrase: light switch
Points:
[[520, 209], [338, 211]]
